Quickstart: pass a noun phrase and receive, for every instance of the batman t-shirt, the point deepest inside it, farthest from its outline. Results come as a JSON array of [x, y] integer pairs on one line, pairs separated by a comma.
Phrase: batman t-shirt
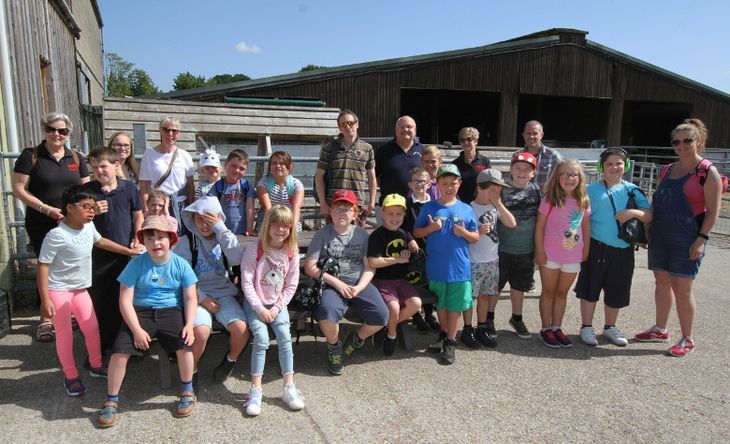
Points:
[[387, 243]]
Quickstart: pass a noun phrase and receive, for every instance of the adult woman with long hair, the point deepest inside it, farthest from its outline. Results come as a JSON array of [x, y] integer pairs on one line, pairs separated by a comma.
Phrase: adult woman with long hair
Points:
[[123, 144]]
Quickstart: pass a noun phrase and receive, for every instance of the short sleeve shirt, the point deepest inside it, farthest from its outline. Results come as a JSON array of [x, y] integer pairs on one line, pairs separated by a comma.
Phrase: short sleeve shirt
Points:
[[486, 248], [154, 165], [279, 195], [563, 239], [603, 220], [350, 250], [469, 173], [117, 224], [447, 254], [523, 204], [68, 254], [157, 285], [233, 199], [349, 168], [393, 167], [388, 243], [49, 178]]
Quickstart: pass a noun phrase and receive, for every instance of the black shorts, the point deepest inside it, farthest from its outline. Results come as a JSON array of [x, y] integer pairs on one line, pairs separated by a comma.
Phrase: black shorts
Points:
[[609, 269], [518, 270], [164, 324]]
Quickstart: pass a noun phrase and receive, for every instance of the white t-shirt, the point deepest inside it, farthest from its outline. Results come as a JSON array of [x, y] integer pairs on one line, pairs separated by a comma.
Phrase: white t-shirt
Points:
[[68, 255], [154, 165], [486, 249]]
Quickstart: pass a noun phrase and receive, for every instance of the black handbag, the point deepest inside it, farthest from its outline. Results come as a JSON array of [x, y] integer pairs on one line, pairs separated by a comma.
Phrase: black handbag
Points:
[[633, 231], [306, 297]]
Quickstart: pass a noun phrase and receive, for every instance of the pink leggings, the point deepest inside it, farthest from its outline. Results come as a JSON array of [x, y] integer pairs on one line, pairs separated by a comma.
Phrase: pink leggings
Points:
[[79, 303]]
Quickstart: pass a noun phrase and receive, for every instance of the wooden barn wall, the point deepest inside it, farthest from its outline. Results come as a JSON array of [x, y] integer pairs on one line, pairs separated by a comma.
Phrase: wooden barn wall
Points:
[[219, 119], [558, 70], [37, 31]]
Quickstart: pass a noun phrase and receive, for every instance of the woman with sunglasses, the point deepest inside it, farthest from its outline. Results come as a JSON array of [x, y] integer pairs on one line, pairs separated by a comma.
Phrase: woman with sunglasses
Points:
[[122, 143], [169, 169], [40, 176], [686, 206], [470, 163]]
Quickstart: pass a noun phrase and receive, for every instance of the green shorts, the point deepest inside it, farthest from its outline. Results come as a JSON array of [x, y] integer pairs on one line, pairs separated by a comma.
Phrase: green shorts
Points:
[[452, 296]]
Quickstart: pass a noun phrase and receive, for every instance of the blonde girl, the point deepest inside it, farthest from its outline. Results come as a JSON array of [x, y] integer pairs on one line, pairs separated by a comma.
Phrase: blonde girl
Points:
[[431, 161], [269, 277], [123, 144], [562, 225]]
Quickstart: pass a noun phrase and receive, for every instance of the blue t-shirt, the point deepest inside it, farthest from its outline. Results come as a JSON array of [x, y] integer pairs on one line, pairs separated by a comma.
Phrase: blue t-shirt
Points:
[[447, 254], [603, 219], [158, 285], [233, 198]]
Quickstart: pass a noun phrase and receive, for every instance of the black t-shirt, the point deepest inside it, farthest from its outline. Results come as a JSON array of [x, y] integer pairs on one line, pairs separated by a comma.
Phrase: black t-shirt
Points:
[[49, 178], [386, 243], [469, 173], [117, 223]]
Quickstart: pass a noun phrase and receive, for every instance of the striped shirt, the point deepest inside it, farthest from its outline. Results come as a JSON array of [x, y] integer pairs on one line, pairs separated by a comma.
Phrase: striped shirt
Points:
[[349, 169], [278, 196]]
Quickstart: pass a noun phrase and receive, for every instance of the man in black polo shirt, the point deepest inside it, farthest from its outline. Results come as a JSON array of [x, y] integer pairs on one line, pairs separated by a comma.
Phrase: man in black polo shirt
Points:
[[395, 159]]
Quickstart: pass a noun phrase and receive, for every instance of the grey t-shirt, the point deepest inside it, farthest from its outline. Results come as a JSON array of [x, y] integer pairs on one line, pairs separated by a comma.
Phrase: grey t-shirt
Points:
[[349, 249], [523, 204]]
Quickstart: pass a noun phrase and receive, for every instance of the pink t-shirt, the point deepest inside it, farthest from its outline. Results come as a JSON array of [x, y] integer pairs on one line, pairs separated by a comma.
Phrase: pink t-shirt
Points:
[[563, 236]]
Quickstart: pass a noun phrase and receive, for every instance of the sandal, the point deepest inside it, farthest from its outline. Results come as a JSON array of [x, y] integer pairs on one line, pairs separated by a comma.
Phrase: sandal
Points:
[[186, 404], [45, 332], [108, 414]]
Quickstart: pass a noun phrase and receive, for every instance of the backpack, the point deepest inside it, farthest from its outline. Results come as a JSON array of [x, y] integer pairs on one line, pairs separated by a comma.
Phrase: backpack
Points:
[[290, 185], [331, 156], [700, 173], [219, 186]]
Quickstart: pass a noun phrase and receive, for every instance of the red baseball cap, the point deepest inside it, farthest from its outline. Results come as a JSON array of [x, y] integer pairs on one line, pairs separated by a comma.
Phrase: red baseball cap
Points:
[[524, 156], [344, 196]]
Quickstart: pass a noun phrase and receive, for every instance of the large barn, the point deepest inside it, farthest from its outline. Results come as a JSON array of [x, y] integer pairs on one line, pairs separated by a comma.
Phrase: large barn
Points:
[[581, 90]]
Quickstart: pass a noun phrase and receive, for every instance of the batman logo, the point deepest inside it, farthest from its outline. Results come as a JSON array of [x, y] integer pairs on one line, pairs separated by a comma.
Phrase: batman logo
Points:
[[414, 277], [394, 247]]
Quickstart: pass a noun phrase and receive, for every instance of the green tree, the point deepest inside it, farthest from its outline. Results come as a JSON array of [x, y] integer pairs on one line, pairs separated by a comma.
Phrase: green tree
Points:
[[123, 79], [222, 79], [311, 68], [185, 80]]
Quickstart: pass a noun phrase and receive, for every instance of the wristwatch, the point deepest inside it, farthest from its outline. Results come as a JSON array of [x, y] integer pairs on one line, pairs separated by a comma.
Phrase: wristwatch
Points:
[[703, 236]]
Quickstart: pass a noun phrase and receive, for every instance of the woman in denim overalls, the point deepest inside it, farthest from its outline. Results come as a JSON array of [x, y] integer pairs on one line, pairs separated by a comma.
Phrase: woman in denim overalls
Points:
[[684, 214]]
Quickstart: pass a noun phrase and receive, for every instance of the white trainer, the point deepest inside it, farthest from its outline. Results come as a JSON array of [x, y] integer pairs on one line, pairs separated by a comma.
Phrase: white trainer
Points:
[[614, 335], [253, 402], [588, 336], [293, 397]]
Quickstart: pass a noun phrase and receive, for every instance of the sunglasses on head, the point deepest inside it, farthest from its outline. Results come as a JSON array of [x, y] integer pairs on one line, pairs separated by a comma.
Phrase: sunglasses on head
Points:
[[61, 131], [348, 124], [676, 142]]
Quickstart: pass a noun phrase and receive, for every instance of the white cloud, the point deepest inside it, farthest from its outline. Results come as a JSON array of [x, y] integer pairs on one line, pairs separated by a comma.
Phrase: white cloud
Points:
[[243, 47]]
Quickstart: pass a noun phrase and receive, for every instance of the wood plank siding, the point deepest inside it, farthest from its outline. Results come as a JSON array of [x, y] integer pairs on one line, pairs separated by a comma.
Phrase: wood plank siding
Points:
[[37, 33]]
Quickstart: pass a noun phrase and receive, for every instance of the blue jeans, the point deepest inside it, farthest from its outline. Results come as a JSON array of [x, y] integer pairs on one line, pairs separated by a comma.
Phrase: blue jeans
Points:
[[260, 333]]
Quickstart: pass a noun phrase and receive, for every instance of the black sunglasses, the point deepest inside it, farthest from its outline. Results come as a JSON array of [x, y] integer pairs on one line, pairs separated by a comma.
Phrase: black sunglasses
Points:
[[676, 142], [61, 131]]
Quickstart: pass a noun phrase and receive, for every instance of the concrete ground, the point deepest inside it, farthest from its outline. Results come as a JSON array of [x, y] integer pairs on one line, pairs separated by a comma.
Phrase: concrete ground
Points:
[[522, 391]]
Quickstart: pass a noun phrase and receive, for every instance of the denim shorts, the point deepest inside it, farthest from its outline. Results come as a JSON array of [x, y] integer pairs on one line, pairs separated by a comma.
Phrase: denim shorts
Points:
[[671, 254], [229, 311]]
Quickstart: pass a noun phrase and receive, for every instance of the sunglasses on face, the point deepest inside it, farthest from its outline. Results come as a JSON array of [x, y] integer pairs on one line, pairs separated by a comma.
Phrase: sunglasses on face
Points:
[[61, 131], [677, 142], [347, 124], [466, 139], [170, 130]]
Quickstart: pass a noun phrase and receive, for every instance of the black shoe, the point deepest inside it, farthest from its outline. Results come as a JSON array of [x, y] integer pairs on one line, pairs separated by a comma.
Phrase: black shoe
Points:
[[379, 338], [438, 345], [419, 323], [448, 354], [467, 337], [224, 369], [432, 322], [389, 346], [352, 343], [484, 338], [491, 331], [334, 358]]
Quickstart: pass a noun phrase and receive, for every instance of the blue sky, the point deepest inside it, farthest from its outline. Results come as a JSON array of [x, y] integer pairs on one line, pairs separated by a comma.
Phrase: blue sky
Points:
[[265, 38]]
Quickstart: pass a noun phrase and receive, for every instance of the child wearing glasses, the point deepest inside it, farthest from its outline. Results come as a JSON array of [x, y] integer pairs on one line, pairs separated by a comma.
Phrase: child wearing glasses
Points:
[[562, 226], [64, 274]]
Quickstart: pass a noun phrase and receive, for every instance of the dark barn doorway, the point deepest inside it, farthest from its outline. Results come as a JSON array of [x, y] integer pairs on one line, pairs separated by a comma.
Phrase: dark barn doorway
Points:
[[649, 123], [570, 122]]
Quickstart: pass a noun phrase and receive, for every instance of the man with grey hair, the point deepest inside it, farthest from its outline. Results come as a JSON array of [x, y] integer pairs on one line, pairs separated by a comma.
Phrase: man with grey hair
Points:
[[395, 159], [546, 157]]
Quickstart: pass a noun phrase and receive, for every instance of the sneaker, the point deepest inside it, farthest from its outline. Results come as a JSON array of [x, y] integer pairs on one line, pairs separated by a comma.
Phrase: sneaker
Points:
[[653, 334], [681, 348], [100, 372], [484, 338], [614, 335], [433, 322], [389, 346], [224, 369], [448, 353], [108, 415], [588, 336], [467, 337], [252, 402], [562, 338], [491, 331], [334, 358], [292, 397], [186, 404], [548, 338], [420, 323], [74, 387], [352, 343], [438, 345], [520, 328], [379, 338]]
